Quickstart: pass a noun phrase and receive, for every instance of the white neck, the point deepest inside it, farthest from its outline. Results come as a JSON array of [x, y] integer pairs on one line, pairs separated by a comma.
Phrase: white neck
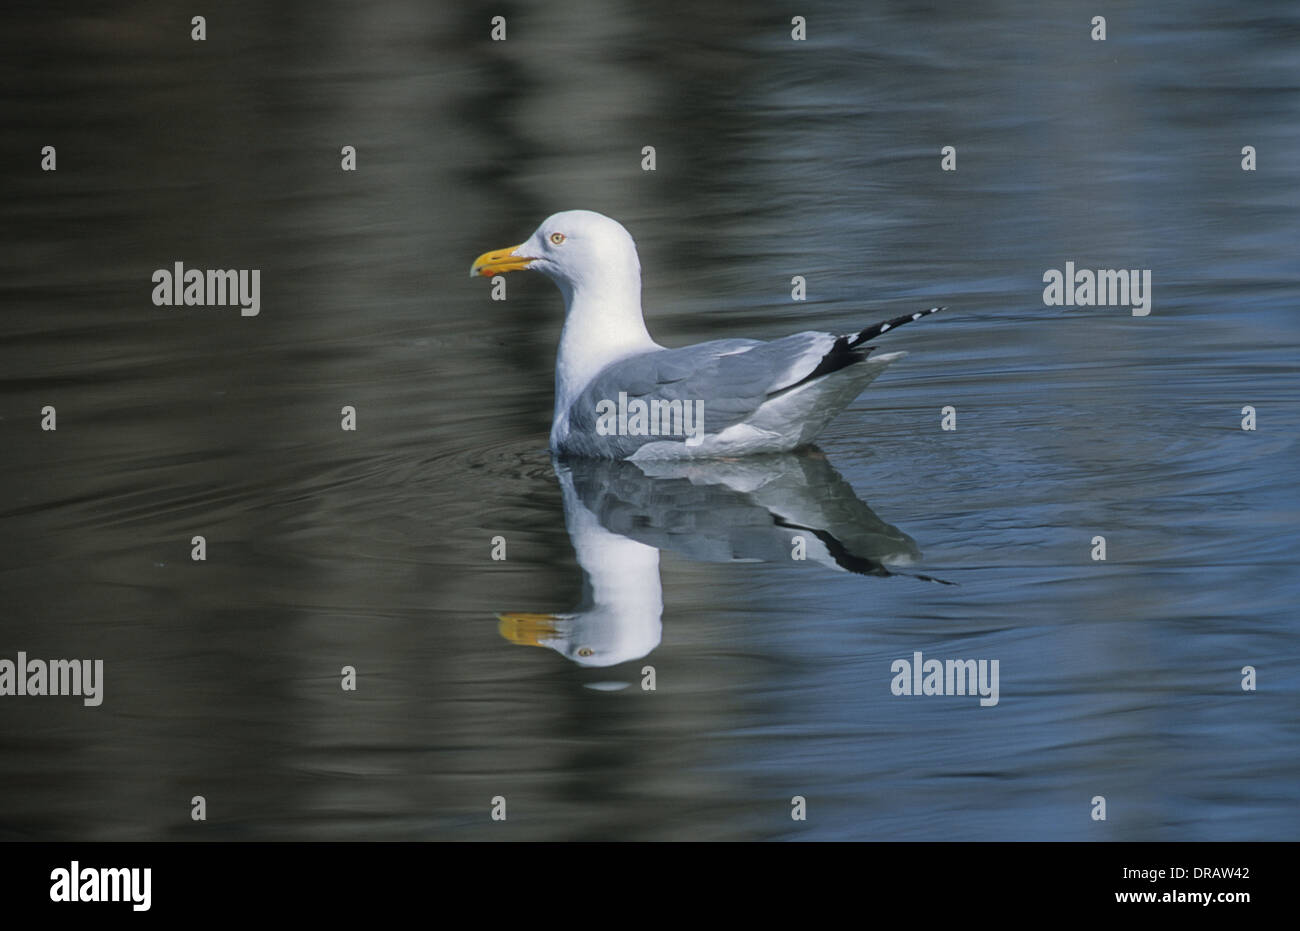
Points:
[[602, 324]]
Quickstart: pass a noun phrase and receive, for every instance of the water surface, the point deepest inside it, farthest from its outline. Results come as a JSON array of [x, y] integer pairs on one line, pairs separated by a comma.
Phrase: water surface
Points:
[[774, 158]]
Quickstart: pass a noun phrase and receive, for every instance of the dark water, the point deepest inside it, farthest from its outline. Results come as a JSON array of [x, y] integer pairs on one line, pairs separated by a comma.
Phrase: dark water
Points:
[[372, 548]]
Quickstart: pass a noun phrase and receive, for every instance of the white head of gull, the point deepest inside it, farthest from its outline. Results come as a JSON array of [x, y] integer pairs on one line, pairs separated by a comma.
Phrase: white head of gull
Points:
[[620, 395]]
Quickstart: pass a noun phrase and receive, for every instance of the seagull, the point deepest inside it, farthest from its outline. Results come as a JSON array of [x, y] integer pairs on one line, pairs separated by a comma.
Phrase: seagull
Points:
[[621, 395]]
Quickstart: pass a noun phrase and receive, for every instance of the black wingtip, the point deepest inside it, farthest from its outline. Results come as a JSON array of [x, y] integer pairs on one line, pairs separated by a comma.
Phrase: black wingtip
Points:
[[876, 329]]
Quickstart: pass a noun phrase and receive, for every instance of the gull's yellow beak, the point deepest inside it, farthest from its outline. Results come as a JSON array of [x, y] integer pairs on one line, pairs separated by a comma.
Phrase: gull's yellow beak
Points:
[[527, 630], [499, 261]]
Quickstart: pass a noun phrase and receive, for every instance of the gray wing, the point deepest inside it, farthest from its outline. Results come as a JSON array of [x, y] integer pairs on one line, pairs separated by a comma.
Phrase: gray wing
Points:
[[733, 377]]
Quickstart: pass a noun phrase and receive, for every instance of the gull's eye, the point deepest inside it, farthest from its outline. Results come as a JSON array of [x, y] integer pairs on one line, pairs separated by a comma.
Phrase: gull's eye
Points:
[[582, 651], [557, 238]]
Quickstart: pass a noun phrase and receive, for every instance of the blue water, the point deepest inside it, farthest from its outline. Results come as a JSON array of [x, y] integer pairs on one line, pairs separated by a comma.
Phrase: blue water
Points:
[[1118, 678]]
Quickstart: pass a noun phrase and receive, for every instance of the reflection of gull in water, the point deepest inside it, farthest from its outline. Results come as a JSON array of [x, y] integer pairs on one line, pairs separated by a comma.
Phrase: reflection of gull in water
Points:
[[755, 397], [620, 515]]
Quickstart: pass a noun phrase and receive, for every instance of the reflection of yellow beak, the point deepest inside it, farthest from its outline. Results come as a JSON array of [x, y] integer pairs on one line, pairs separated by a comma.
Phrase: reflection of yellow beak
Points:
[[499, 262], [527, 630]]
